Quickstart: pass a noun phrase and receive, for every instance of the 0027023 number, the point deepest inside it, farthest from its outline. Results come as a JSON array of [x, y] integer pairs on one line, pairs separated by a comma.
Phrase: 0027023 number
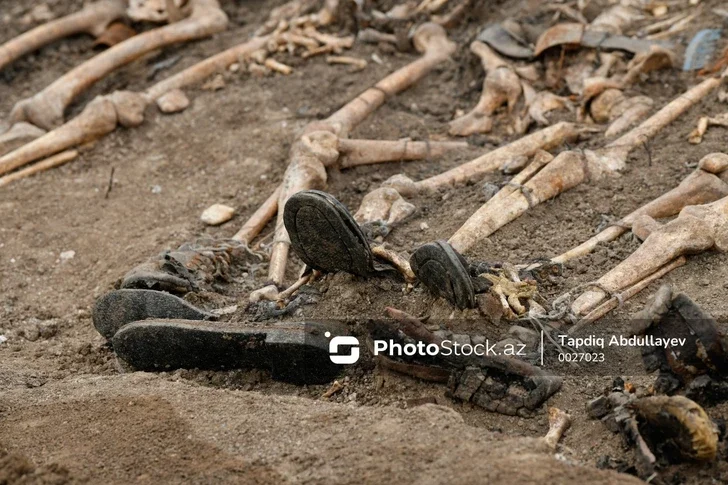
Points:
[[581, 357]]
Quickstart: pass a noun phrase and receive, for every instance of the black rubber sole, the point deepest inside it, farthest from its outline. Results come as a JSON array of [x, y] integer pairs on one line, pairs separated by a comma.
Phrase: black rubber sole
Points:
[[325, 235], [444, 272], [293, 352], [121, 307]]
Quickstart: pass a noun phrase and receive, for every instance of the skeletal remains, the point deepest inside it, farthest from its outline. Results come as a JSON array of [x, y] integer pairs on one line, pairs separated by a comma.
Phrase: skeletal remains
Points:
[[150, 328]]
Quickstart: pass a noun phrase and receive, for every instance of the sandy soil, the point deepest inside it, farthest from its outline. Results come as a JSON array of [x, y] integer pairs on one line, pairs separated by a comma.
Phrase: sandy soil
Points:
[[68, 415]]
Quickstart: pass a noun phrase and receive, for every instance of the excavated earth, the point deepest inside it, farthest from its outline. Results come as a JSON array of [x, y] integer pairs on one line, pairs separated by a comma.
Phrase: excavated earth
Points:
[[68, 415]]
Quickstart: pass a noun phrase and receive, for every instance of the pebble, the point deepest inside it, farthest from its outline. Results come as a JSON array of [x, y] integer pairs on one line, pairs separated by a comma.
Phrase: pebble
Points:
[[526, 335], [67, 255], [156, 189], [234, 67], [489, 190], [173, 102], [217, 214], [3, 339], [214, 84], [424, 226]]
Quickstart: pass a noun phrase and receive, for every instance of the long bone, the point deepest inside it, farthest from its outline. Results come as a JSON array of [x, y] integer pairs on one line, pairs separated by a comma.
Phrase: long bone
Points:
[[705, 122], [570, 169], [608, 103], [102, 115], [94, 123], [383, 203], [45, 109], [92, 19], [501, 85], [317, 148], [708, 183], [698, 228], [365, 152]]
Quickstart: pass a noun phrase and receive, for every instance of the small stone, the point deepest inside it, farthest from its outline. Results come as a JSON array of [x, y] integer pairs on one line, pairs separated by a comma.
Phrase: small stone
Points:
[[67, 255], [31, 332], [659, 11], [599, 407], [489, 190], [424, 226], [526, 335], [461, 339], [48, 329], [515, 165], [234, 67], [173, 102], [41, 13], [217, 214], [3, 339], [469, 383], [156, 189], [442, 334], [214, 84]]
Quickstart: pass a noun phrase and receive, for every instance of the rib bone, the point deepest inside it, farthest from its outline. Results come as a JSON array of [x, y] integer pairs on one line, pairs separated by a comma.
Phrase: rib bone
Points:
[[46, 108], [93, 19]]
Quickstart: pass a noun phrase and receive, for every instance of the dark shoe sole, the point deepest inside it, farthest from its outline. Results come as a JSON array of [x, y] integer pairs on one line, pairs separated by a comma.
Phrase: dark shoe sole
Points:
[[293, 352], [444, 272], [325, 235], [118, 308]]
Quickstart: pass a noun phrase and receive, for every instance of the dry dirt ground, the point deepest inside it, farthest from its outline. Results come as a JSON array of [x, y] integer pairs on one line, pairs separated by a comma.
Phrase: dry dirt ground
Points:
[[68, 415]]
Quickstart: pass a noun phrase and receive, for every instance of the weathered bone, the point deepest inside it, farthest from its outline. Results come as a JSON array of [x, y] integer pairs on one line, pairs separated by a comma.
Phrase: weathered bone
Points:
[[50, 162], [259, 219], [93, 19], [542, 103], [46, 108], [383, 204], [705, 122], [474, 170], [625, 295], [697, 229], [526, 146], [318, 146], [707, 184], [366, 152], [640, 106], [157, 10], [100, 116], [559, 422], [570, 169], [609, 104], [18, 135], [501, 85]]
